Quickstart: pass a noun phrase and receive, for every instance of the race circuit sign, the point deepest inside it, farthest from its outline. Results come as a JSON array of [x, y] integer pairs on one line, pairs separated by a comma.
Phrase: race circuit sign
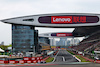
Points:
[[62, 19], [59, 20], [68, 19], [61, 34]]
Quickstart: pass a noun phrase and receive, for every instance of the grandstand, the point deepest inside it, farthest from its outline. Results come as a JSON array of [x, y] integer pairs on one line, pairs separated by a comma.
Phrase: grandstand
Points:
[[43, 47], [90, 44], [86, 25]]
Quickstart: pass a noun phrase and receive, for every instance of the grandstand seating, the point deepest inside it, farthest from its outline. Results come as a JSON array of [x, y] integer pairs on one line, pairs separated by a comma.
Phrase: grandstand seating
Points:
[[91, 41]]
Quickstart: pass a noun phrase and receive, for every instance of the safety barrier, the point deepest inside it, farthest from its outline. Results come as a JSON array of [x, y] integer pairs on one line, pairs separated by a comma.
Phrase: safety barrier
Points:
[[21, 61], [29, 61], [45, 58], [33, 58], [97, 61], [25, 60], [91, 60], [3, 62], [55, 53], [35, 61], [12, 61]]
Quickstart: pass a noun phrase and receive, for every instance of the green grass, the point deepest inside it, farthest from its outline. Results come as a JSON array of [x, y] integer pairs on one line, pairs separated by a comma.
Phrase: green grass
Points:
[[71, 52], [50, 59], [82, 59]]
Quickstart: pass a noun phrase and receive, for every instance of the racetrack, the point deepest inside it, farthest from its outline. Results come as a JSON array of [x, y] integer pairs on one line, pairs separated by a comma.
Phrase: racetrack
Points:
[[63, 57]]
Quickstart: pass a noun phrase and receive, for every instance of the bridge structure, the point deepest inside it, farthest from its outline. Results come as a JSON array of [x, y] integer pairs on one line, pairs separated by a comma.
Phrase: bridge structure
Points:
[[52, 36], [23, 28]]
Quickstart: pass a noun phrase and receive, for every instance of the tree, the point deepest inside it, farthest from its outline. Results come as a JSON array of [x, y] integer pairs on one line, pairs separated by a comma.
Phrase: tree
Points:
[[3, 47], [10, 45]]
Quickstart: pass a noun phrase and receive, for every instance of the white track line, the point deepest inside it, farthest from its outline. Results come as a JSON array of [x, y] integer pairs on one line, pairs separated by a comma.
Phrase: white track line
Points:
[[76, 58], [55, 57], [63, 59]]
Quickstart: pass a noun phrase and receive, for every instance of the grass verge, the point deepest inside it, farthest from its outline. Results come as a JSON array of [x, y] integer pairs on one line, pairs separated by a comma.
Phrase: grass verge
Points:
[[71, 52], [81, 58], [50, 59]]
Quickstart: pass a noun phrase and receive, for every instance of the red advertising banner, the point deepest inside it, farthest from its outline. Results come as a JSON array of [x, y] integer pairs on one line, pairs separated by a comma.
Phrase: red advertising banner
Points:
[[12, 62], [63, 34], [29, 61], [41, 57], [61, 19], [1, 61], [21, 61], [81, 19], [37, 58], [33, 58], [69, 19], [26, 58]]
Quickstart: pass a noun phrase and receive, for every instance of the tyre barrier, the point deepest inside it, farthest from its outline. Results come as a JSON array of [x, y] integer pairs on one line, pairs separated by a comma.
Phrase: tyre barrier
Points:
[[25, 60]]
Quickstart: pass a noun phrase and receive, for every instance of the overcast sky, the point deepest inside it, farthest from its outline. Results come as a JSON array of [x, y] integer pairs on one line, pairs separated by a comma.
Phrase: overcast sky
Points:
[[16, 8]]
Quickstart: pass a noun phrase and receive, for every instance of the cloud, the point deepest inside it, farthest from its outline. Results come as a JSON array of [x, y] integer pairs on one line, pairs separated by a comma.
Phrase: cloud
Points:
[[16, 8], [26, 7]]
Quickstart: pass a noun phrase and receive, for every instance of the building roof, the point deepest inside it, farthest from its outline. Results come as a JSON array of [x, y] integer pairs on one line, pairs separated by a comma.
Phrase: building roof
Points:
[[43, 44], [85, 31], [84, 23], [57, 20]]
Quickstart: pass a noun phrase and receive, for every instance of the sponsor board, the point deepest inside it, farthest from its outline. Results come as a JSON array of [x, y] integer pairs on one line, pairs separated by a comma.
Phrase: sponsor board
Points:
[[71, 19]]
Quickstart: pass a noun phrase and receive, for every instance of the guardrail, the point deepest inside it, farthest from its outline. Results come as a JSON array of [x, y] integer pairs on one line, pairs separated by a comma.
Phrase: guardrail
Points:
[[25, 60], [55, 52]]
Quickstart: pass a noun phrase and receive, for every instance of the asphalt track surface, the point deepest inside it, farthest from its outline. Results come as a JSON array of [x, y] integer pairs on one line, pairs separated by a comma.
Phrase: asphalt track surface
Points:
[[76, 65], [64, 57]]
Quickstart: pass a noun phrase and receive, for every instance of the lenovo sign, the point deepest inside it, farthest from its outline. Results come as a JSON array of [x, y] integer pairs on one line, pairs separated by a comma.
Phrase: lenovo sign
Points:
[[61, 19], [76, 19], [61, 34], [68, 19]]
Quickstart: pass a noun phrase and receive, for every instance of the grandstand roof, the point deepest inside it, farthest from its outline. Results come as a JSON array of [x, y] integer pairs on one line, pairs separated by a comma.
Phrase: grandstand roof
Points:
[[78, 32], [43, 44], [84, 31], [84, 23]]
